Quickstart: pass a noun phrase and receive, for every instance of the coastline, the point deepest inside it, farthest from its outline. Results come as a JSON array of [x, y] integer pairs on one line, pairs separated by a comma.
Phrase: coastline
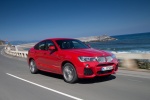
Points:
[[130, 61], [132, 49], [127, 43]]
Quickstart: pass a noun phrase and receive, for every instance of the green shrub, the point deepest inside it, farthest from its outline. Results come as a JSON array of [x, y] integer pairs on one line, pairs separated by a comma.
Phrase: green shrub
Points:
[[142, 63]]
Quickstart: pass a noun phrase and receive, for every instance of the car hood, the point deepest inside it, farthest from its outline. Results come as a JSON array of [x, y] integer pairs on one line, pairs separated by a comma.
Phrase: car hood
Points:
[[88, 52]]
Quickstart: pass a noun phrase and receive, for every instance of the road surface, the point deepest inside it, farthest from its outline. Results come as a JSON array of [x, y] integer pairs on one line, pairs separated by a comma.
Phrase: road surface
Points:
[[17, 83]]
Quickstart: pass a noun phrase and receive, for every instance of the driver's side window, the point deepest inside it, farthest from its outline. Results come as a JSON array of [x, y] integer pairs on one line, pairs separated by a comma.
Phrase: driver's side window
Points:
[[49, 43]]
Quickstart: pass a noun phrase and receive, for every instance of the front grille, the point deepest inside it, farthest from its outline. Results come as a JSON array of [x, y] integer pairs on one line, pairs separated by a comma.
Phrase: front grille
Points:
[[88, 71], [104, 72]]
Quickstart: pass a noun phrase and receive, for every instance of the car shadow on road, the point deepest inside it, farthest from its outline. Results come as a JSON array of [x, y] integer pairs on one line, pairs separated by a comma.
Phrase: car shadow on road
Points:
[[80, 81], [96, 80], [53, 75]]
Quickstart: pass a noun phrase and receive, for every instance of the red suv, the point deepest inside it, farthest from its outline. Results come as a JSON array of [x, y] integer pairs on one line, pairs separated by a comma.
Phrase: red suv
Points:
[[71, 58]]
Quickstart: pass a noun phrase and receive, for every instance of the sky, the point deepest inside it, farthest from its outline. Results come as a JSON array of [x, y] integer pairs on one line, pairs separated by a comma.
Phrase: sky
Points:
[[39, 19]]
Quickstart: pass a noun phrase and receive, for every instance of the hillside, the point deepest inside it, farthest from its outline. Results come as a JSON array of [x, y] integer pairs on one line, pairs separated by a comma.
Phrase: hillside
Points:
[[97, 38]]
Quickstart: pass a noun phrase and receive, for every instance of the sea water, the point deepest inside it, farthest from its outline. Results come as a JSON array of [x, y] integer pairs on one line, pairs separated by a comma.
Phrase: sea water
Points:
[[130, 43]]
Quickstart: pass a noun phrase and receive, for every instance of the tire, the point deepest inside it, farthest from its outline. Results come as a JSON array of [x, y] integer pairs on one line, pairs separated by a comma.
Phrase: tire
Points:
[[32, 67], [69, 73]]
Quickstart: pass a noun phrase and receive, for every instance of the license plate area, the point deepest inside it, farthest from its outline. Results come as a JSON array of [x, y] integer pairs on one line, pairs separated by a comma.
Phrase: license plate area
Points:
[[106, 68]]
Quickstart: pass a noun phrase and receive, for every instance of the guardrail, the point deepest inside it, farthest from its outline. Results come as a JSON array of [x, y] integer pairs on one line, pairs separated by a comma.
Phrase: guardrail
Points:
[[128, 59], [15, 52]]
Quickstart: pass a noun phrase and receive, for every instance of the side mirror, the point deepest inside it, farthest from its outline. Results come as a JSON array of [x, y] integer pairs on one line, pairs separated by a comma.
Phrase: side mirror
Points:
[[51, 48]]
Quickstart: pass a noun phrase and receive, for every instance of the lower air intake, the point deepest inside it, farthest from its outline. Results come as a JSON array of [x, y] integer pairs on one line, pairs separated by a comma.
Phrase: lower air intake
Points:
[[88, 71]]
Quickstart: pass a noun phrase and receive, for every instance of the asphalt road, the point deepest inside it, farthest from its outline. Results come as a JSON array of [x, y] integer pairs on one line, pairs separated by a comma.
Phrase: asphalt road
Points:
[[17, 83]]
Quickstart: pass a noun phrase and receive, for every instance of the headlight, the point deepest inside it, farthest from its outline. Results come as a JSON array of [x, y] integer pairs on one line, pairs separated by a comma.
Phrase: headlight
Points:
[[109, 58], [86, 59], [113, 56], [99, 59]]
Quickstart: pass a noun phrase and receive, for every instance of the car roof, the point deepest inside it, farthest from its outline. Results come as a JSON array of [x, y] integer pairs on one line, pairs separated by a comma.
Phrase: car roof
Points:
[[59, 39]]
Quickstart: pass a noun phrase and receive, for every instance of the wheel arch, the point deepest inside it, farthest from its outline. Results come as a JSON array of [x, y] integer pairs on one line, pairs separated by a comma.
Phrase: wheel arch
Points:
[[30, 60], [66, 61], [75, 77]]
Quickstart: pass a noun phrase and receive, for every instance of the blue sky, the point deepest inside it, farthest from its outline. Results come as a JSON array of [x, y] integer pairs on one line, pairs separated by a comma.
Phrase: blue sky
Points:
[[40, 19]]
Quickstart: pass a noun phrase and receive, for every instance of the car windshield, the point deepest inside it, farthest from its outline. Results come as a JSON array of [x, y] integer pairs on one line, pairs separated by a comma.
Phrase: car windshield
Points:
[[71, 44]]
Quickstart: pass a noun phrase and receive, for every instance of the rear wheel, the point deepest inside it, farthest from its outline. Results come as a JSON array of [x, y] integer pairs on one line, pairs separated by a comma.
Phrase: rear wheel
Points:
[[32, 67], [69, 73]]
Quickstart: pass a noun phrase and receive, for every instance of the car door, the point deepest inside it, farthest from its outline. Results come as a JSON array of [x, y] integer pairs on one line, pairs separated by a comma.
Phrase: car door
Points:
[[40, 54], [51, 58]]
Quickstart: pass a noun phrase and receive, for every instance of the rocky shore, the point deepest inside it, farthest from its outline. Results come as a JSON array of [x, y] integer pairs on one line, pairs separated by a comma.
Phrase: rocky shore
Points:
[[2, 42], [97, 38], [141, 63]]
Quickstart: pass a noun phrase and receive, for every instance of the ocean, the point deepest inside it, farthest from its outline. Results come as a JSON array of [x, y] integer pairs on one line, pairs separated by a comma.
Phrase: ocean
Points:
[[129, 43]]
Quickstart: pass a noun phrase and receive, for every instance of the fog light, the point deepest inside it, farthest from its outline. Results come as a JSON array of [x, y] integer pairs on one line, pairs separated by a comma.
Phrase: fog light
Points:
[[87, 66]]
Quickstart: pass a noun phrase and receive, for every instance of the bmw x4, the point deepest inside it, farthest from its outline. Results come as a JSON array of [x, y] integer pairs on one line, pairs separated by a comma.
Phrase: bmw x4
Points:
[[71, 58]]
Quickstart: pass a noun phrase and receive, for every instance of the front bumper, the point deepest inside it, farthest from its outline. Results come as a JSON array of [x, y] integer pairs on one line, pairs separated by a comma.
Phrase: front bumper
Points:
[[90, 69]]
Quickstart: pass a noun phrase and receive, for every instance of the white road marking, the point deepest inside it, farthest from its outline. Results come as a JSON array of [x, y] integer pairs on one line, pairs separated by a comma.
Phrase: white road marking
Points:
[[64, 94]]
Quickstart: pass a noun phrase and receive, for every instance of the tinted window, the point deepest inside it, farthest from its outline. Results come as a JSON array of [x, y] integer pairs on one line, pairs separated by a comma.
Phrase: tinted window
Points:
[[36, 46], [42, 45], [49, 43], [71, 44]]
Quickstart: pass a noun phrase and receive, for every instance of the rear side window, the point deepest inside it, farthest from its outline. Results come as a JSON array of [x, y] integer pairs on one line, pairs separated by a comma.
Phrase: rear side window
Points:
[[40, 46], [36, 46]]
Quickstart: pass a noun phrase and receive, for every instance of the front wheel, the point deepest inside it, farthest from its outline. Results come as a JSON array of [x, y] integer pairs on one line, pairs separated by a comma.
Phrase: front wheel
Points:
[[32, 67], [69, 73]]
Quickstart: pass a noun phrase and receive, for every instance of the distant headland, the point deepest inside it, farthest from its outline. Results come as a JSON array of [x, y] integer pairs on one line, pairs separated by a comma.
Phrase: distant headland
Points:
[[83, 39], [97, 38]]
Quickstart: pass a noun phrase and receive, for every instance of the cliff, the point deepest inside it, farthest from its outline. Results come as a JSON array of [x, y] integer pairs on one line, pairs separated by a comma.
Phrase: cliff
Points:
[[97, 38], [2, 42]]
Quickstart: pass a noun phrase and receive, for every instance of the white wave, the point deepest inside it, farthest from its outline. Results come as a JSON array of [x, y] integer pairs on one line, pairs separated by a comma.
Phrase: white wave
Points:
[[131, 51]]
